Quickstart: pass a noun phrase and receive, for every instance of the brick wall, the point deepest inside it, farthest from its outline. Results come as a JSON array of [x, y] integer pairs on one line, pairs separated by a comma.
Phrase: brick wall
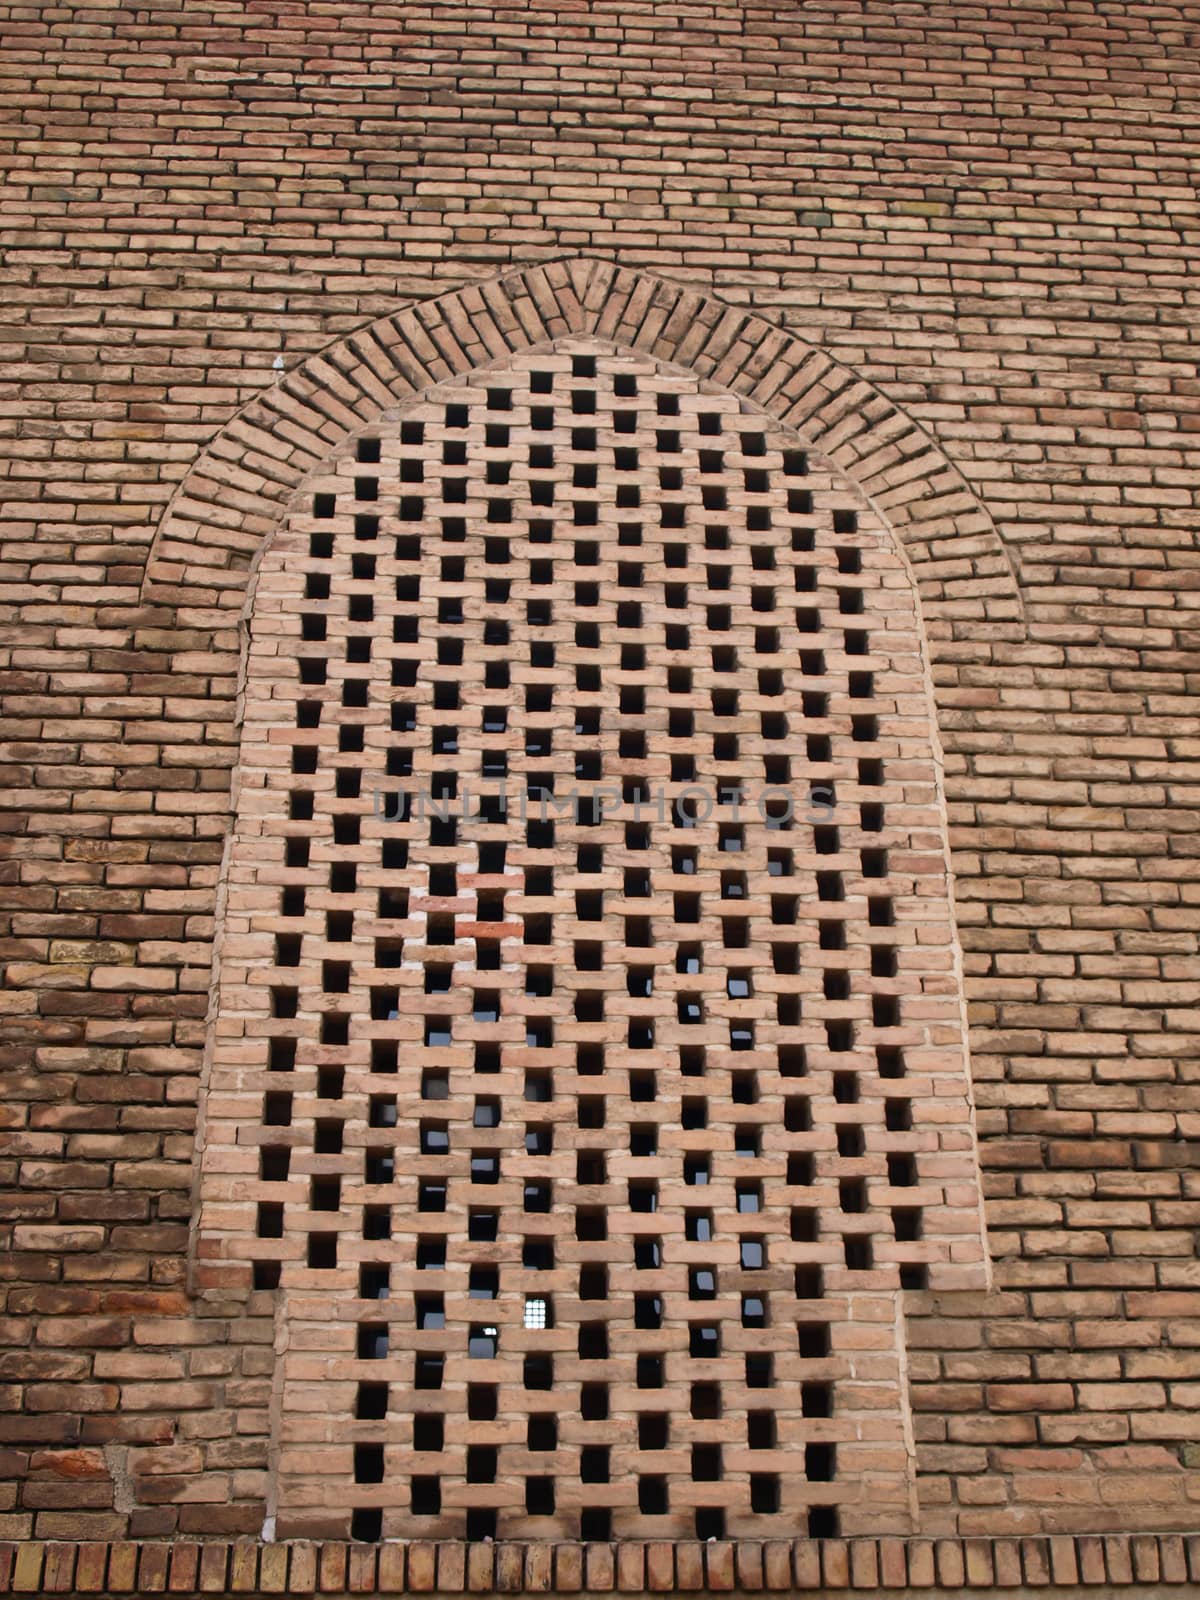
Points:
[[985, 216]]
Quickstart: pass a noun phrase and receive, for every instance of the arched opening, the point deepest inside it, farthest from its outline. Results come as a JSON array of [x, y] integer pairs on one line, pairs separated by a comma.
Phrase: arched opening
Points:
[[588, 1073]]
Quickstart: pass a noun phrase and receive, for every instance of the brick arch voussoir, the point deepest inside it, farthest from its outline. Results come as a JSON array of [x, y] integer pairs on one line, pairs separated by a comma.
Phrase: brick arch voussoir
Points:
[[224, 511]]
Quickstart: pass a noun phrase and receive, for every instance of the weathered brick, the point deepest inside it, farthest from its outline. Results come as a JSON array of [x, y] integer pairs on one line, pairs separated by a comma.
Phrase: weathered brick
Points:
[[977, 353]]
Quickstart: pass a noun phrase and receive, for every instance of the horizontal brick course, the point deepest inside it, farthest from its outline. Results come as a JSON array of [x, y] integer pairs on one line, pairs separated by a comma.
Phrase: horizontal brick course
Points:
[[1143, 1564]]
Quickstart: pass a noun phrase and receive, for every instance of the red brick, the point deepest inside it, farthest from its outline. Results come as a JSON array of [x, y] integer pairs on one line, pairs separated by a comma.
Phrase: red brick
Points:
[[1000, 366]]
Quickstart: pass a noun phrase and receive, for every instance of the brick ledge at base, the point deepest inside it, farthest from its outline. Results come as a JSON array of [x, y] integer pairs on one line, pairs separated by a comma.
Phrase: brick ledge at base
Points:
[[246, 1567]]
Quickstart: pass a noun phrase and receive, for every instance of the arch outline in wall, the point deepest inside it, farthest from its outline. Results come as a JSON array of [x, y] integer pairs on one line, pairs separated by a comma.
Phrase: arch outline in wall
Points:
[[204, 559], [283, 561], [223, 513]]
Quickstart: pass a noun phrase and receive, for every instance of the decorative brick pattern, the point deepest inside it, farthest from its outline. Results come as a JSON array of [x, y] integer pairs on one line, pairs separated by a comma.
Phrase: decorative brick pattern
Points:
[[590, 1133], [233, 499], [961, 237]]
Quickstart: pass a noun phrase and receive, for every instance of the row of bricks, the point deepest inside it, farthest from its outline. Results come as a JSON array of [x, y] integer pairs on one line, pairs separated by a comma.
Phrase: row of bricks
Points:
[[719, 1566]]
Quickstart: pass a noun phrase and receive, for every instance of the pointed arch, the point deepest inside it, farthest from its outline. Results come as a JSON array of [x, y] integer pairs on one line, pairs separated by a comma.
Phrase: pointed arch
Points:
[[235, 495], [205, 558], [422, 627]]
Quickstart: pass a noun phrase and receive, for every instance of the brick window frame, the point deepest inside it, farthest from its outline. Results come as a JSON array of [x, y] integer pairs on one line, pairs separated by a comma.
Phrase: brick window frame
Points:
[[369, 487], [231, 501], [204, 558]]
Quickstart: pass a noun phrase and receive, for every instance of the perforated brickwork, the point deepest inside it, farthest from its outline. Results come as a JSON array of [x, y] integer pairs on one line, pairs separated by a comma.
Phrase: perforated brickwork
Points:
[[953, 248], [589, 1068]]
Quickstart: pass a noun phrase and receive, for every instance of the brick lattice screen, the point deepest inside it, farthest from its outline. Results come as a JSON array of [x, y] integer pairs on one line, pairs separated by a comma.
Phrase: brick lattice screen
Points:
[[589, 1135], [951, 250], [1062, 1402]]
